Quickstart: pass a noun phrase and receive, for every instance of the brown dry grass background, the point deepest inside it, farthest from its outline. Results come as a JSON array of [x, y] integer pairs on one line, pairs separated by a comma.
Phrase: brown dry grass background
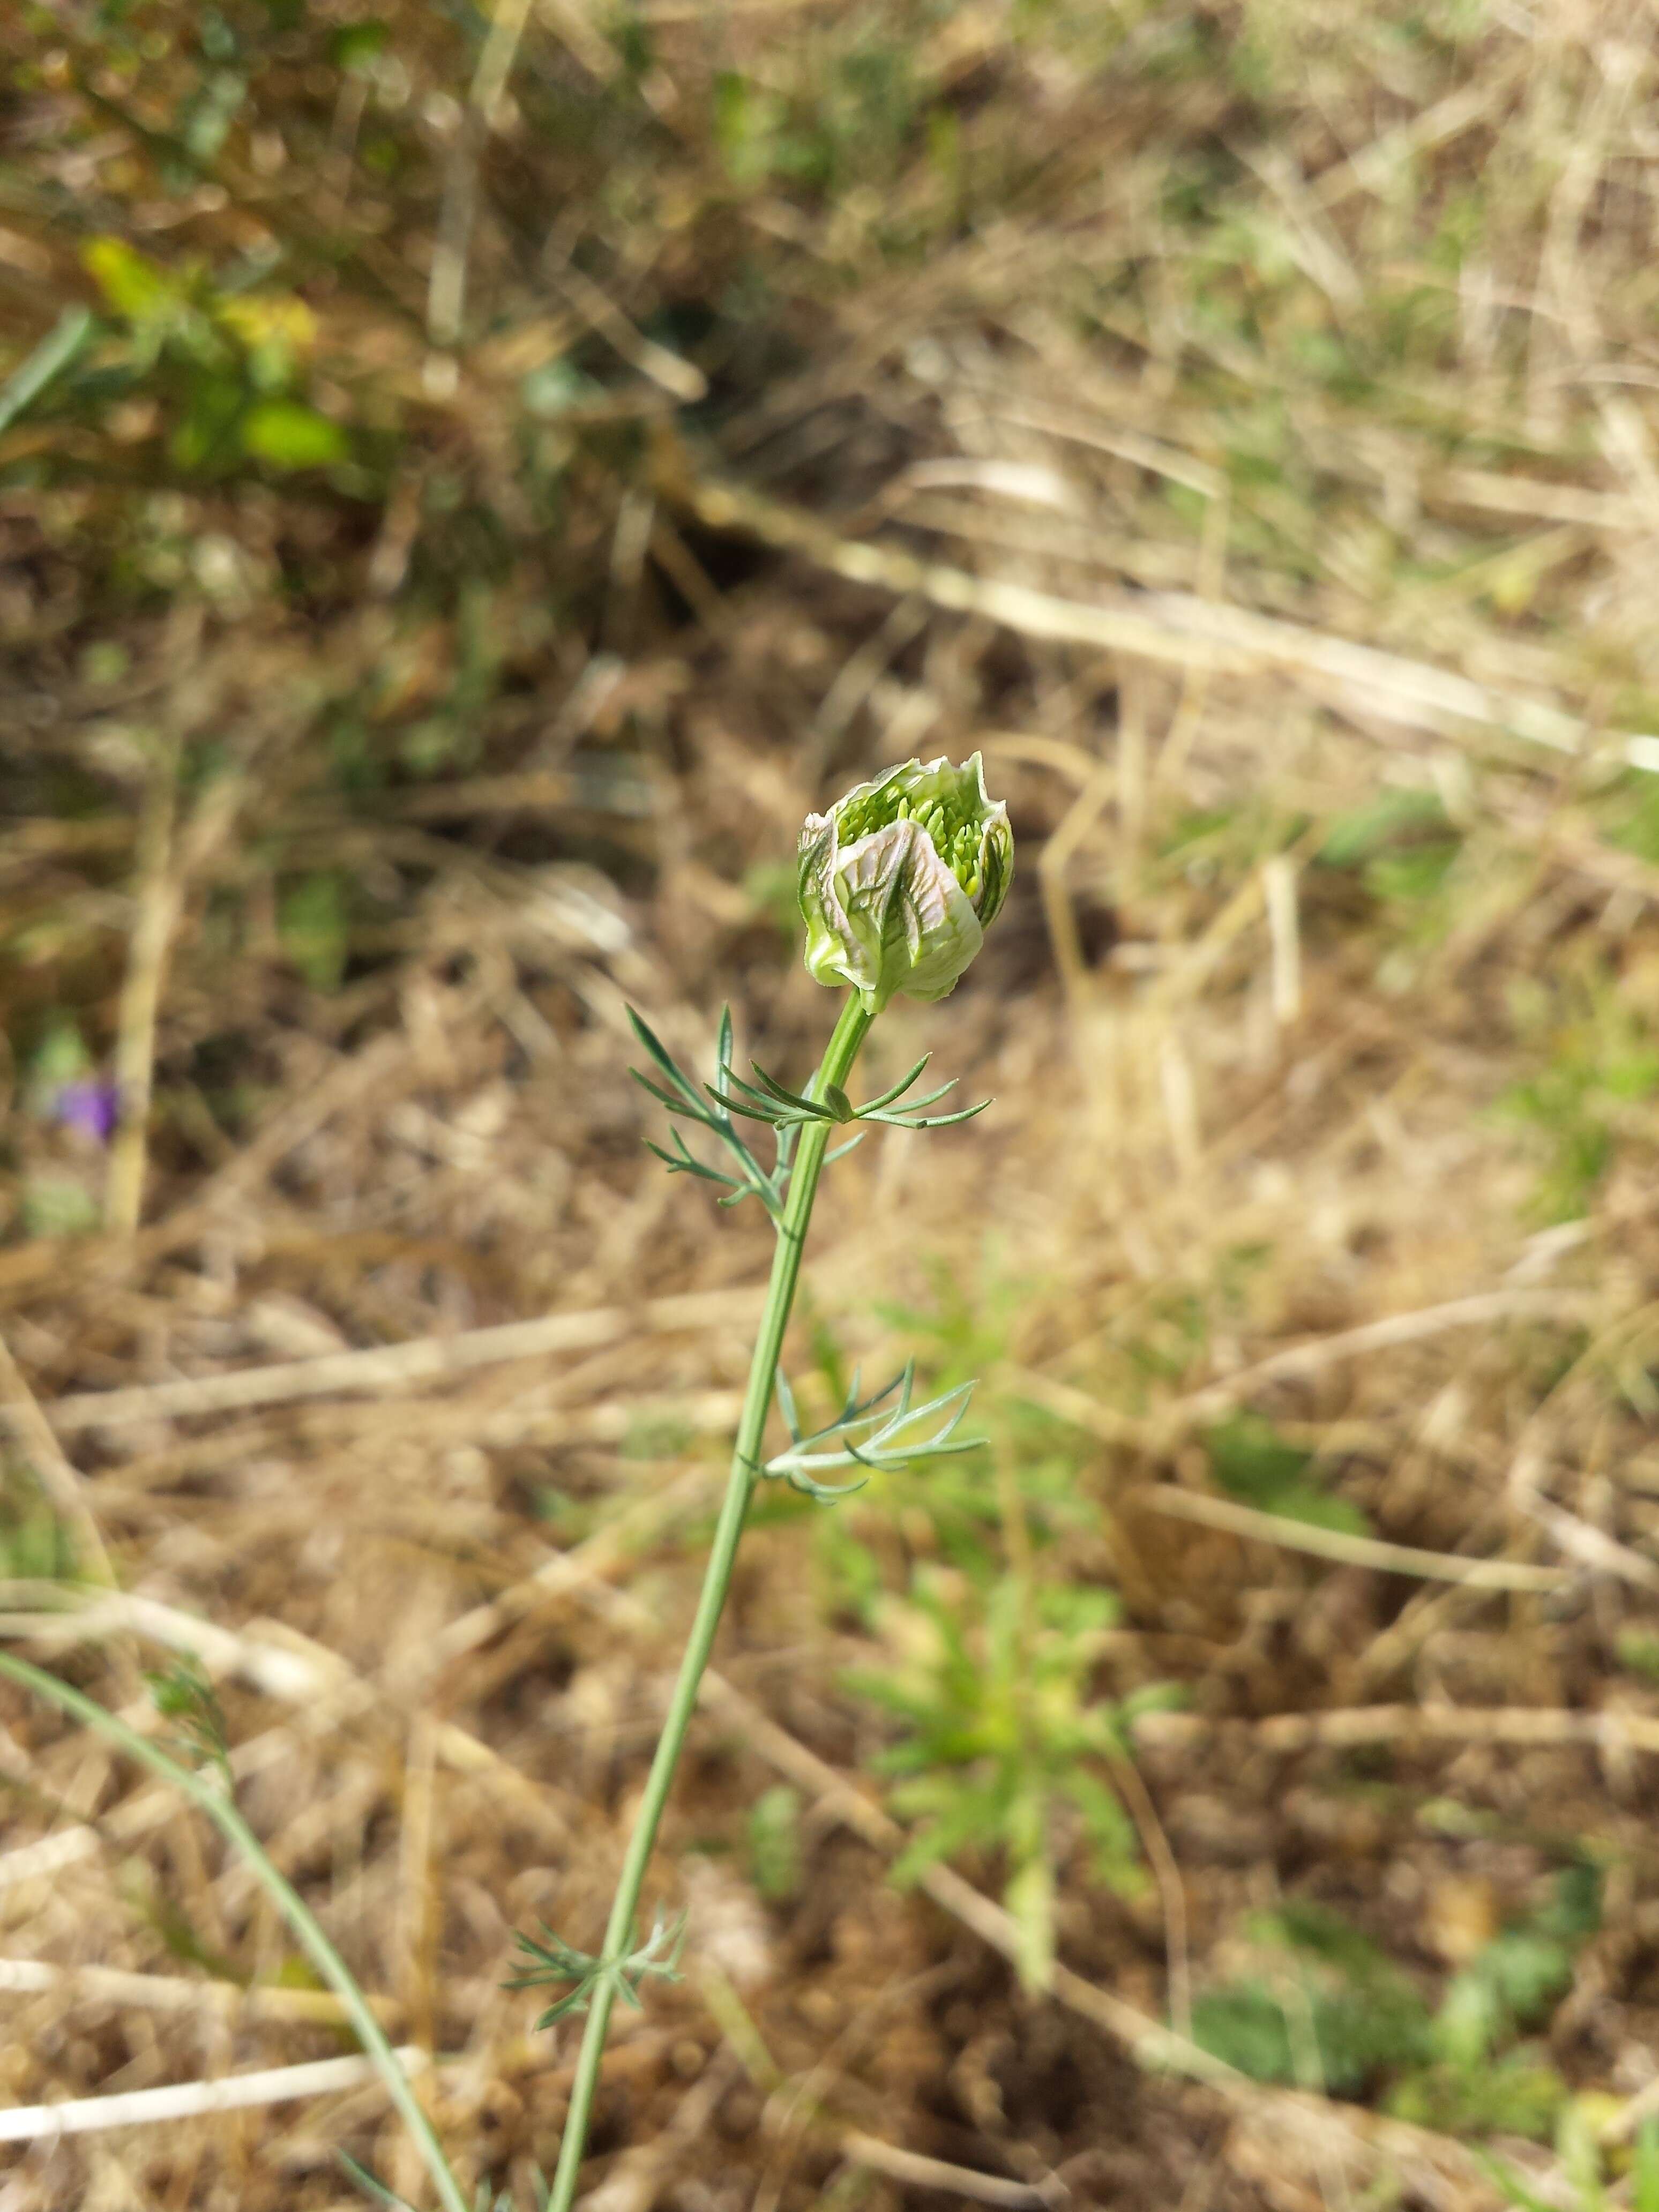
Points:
[[1241, 424]]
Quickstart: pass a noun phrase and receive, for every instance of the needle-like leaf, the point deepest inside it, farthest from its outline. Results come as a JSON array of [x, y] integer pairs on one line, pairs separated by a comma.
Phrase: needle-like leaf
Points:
[[787, 1404], [684, 1164], [696, 1111], [665, 1061], [684, 1099], [915, 1105], [553, 1960], [754, 1107], [943, 1120], [377, 2189], [870, 1433], [887, 1098], [784, 1096]]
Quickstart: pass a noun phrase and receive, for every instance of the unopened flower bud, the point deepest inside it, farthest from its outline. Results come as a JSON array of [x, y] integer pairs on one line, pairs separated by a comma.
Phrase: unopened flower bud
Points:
[[900, 880]]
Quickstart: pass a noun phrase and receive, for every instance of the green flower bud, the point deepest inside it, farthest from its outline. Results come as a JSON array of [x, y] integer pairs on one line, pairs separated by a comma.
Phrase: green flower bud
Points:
[[900, 880]]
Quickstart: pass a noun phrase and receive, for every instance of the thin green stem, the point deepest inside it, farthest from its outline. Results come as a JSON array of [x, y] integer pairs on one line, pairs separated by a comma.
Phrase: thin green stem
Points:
[[327, 1960], [835, 1067]]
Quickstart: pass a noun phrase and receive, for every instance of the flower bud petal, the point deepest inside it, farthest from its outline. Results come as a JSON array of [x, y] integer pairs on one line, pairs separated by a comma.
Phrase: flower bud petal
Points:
[[899, 880]]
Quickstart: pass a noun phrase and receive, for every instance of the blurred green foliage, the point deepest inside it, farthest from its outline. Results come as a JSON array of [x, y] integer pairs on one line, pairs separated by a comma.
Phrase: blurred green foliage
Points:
[[35, 1544], [227, 361], [1327, 2008], [184, 1693], [1584, 2164], [1252, 1463], [1001, 1740], [1598, 1067], [1004, 1736], [776, 1859]]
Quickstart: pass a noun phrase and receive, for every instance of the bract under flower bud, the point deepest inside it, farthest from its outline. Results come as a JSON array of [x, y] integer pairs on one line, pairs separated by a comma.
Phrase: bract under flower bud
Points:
[[900, 880]]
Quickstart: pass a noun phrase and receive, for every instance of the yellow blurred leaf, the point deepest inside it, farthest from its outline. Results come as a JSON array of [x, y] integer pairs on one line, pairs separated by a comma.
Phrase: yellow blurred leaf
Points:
[[290, 436], [133, 285], [276, 320]]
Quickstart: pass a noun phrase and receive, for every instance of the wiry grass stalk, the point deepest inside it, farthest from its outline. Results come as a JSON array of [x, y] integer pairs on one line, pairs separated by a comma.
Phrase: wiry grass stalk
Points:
[[208, 1798], [834, 1069]]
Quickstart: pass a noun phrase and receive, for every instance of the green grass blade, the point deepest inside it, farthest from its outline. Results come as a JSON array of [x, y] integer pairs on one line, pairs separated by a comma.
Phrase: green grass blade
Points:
[[50, 358], [292, 1907]]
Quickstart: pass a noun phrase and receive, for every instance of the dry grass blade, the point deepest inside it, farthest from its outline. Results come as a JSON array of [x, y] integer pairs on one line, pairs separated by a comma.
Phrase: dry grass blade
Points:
[[114, 1985], [911, 2169], [157, 910], [1566, 1309], [76, 1615], [395, 1367], [1610, 1729], [192, 2101], [1174, 629], [1348, 1550]]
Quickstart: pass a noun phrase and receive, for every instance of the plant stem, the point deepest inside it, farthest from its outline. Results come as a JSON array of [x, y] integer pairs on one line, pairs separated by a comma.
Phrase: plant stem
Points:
[[835, 1067], [292, 1907]]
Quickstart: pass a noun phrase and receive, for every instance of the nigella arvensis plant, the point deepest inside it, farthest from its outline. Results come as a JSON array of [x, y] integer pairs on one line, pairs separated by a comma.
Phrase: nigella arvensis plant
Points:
[[898, 884]]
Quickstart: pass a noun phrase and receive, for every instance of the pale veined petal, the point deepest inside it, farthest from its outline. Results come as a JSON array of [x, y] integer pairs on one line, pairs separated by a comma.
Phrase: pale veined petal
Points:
[[899, 879]]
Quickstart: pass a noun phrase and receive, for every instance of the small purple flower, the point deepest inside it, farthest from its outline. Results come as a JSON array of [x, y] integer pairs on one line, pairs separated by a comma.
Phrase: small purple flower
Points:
[[92, 1107]]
